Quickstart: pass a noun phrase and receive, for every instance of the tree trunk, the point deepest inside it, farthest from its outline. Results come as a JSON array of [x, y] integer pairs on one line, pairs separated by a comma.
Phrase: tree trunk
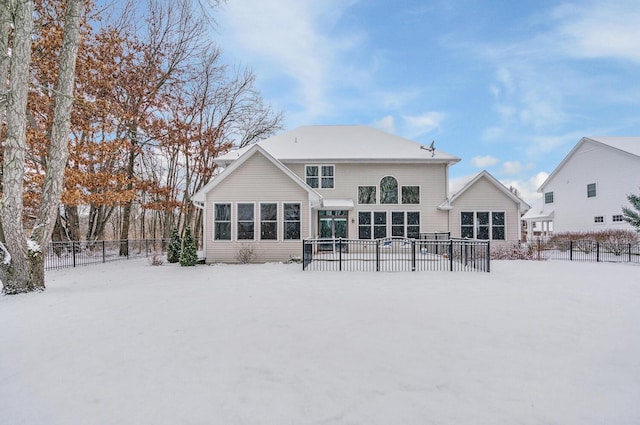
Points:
[[25, 272], [72, 222], [16, 276], [126, 211]]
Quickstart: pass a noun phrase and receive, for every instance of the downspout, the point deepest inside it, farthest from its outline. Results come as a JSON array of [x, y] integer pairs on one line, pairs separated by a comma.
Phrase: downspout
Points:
[[200, 206], [310, 235]]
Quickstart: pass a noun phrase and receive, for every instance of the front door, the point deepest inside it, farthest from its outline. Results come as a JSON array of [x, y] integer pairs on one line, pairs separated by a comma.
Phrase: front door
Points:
[[332, 225]]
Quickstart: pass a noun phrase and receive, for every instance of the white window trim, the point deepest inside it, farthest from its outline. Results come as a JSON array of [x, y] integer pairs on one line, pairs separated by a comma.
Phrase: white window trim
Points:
[[320, 175], [367, 185], [544, 197], [213, 219], [475, 223], [256, 228], [419, 194], [405, 221], [399, 190], [282, 220], [259, 221]]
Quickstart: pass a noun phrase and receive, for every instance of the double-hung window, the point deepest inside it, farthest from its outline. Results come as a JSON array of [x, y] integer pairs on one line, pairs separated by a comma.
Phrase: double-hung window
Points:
[[591, 190], [364, 225], [483, 225], [405, 224], [268, 221], [246, 222], [222, 222], [320, 176], [291, 221], [548, 198], [372, 224]]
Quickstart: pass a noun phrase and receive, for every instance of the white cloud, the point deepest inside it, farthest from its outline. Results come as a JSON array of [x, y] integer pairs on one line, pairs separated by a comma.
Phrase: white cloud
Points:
[[288, 38], [512, 167], [600, 29], [419, 125], [484, 161], [528, 189], [387, 124]]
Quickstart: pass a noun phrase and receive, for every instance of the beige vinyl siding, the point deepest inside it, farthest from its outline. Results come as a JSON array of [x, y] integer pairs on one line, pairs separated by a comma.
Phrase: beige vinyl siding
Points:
[[484, 196], [431, 178], [257, 180]]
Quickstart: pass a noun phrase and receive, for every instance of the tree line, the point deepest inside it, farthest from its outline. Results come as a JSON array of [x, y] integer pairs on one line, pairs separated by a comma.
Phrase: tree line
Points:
[[111, 119]]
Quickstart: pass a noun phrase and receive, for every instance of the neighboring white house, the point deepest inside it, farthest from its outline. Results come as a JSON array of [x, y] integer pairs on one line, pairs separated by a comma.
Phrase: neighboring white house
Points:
[[352, 182], [587, 190]]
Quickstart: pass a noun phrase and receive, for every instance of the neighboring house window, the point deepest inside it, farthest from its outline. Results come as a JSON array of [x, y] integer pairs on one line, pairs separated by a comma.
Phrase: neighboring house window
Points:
[[320, 176], [388, 190], [617, 218], [548, 198], [482, 225], [591, 190], [222, 222], [364, 225], [410, 194], [269, 221], [598, 219], [246, 222], [405, 224], [366, 195], [291, 221]]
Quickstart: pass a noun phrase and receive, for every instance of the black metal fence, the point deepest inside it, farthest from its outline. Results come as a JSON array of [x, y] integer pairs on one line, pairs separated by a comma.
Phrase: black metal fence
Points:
[[588, 251], [395, 254], [67, 254]]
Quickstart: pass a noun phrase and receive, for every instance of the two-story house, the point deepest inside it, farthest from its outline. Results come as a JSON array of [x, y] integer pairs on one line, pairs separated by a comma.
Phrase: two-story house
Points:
[[587, 190], [352, 182]]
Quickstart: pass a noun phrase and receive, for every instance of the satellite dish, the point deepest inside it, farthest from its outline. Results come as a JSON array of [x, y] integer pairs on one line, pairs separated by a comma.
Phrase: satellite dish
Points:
[[431, 148]]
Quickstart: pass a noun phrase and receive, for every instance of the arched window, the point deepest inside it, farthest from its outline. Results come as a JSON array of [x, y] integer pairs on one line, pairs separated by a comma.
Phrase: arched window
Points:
[[388, 190]]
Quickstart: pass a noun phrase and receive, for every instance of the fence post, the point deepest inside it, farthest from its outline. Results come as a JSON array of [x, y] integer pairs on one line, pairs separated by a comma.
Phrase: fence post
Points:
[[73, 249], [340, 254], [629, 252], [104, 256], [128, 248], [570, 250], [488, 256], [377, 255], [413, 255], [450, 255], [597, 252]]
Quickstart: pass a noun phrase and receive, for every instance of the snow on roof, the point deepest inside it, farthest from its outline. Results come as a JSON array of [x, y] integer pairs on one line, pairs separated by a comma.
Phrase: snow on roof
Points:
[[341, 143], [629, 144]]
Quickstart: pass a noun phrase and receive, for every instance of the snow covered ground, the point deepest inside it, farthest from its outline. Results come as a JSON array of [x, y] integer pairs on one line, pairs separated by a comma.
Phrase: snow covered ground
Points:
[[127, 343]]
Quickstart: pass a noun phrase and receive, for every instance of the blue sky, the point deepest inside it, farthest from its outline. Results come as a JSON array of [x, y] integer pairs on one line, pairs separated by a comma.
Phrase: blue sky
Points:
[[508, 86]]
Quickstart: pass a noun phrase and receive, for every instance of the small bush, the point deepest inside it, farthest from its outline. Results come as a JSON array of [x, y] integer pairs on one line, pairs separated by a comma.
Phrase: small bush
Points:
[[156, 259], [615, 241], [245, 254], [515, 252]]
